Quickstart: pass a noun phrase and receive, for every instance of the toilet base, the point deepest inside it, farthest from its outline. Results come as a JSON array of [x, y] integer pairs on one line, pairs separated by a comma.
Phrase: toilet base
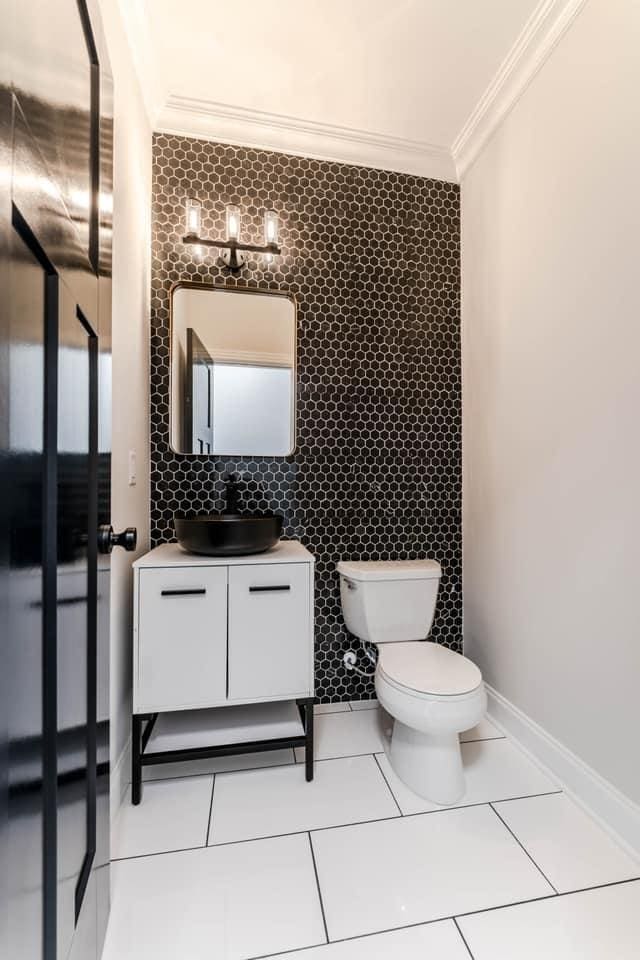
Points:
[[430, 764]]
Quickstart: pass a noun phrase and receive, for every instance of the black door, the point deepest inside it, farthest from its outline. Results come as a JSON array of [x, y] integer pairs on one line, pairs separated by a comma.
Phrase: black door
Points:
[[198, 396], [55, 185]]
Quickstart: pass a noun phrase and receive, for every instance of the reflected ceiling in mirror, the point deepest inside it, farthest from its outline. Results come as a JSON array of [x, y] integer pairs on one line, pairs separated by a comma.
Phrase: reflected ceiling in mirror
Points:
[[233, 371]]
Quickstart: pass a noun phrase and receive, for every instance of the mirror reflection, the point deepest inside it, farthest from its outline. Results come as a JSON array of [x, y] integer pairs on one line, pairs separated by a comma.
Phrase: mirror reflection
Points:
[[232, 372]]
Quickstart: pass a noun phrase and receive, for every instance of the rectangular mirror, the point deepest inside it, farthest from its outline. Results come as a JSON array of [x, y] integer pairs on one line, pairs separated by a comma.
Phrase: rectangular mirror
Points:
[[233, 371]]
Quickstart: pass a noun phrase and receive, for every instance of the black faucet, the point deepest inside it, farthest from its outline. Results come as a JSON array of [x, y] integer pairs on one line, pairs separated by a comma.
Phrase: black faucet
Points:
[[232, 495]]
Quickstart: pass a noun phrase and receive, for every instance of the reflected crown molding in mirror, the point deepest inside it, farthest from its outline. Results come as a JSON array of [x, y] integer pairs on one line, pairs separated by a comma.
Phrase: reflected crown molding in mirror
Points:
[[233, 251]]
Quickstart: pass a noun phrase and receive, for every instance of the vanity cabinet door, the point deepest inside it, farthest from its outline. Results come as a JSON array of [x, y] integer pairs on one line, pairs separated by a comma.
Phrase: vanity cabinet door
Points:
[[182, 641], [270, 640]]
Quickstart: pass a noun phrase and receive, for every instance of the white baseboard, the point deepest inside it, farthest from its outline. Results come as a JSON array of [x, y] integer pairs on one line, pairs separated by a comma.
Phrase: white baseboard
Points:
[[614, 811], [119, 780]]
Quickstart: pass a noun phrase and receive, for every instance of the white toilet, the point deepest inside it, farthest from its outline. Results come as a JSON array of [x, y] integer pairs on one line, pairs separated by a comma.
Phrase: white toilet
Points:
[[432, 692]]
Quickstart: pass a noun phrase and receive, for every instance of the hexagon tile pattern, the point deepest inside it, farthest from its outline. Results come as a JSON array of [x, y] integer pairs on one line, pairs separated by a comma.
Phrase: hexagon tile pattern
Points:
[[373, 258]]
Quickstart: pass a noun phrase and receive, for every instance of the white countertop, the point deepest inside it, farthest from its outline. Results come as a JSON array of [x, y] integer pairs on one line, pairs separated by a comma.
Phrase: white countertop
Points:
[[172, 555]]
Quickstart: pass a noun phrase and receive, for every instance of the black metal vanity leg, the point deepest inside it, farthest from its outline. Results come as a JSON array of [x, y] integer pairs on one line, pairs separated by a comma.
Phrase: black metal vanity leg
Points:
[[308, 751], [136, 766]]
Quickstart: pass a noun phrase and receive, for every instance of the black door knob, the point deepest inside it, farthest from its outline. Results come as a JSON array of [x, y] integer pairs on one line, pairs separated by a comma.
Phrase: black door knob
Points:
[[107, 539]]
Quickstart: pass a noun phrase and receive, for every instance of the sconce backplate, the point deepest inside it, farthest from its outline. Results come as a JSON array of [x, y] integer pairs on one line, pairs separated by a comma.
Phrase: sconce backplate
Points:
[[234, 259]]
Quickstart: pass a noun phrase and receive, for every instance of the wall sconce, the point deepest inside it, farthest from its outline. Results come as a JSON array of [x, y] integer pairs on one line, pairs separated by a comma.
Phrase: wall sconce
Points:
[[233, 251]]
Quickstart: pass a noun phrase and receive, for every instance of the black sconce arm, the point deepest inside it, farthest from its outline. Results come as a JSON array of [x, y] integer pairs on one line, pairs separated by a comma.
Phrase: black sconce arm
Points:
[[232, 245]]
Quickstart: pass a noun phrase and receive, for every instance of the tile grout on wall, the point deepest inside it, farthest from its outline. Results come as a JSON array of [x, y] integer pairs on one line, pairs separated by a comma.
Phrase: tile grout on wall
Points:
[[373, 258]]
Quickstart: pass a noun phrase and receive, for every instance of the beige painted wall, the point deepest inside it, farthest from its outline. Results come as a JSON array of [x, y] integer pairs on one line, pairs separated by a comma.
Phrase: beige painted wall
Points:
[[130, 408], [551, 364]]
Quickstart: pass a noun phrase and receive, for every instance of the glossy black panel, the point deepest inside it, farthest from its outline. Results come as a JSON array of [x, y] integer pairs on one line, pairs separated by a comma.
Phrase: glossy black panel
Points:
[[5, 167], [53, 75], [76, 613], [103, 467], [55, 156], [23, 618], [39, 199], [102, 857]]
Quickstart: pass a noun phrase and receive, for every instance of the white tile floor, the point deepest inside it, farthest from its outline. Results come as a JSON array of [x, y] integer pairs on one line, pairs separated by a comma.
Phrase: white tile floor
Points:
[[413, 869], [494, 770], [175, 816], [245, 859], [263, 803], [347, 734]]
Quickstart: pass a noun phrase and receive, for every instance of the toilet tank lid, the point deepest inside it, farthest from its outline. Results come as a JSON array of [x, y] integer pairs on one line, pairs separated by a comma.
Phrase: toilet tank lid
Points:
[[390, 569]]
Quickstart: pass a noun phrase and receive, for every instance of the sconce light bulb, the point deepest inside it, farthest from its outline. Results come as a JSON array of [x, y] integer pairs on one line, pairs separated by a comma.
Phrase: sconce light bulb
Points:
[[193, 217], [270, 227], [233, 223]]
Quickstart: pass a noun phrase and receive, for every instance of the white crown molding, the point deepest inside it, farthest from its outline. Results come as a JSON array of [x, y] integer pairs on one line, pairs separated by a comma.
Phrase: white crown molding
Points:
[[546, 26], [209, 120], [188, 116], [252, 358]]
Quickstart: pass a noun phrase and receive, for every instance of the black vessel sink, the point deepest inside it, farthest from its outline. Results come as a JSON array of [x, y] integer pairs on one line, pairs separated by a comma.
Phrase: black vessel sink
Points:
[[228, 534]]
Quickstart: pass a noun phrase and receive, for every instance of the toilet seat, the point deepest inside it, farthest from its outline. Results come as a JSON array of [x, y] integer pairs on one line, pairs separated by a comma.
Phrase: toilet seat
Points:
[[423, 667]]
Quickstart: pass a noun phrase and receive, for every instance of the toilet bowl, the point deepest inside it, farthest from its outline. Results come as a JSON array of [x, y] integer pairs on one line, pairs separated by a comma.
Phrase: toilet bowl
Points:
[[432, 692]]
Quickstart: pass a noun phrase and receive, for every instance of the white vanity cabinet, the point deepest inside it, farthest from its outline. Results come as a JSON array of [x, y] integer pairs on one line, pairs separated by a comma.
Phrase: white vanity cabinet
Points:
[[269, 610], [211, 631], [181, 656]]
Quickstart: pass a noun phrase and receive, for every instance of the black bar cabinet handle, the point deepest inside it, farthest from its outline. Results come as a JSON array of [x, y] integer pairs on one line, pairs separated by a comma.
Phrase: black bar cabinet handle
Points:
[[269, 589], [199, 592]]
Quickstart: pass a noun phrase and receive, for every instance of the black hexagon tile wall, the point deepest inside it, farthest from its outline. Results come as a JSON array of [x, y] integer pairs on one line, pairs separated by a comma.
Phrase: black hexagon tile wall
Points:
[[373, 258]]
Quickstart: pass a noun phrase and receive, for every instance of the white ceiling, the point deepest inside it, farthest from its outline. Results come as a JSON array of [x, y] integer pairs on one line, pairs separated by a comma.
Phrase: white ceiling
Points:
[[345, 79]]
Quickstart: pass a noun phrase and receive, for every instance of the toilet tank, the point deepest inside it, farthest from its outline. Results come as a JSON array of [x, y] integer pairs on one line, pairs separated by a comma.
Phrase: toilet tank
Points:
[[389, 601]]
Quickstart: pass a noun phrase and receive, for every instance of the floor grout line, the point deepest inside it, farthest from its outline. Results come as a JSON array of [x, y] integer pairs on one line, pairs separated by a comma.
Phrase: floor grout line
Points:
[[599, 886], [349, 756], [500, 736], [375, 757], [453, 917], [297, 833], [419, 813], [528, 796], [315, 870], [463, 938], [543, 898], [341, 756], [159, 853], [522, 846], [290, 763], [293, 952], [213, 787], [337, 826]]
